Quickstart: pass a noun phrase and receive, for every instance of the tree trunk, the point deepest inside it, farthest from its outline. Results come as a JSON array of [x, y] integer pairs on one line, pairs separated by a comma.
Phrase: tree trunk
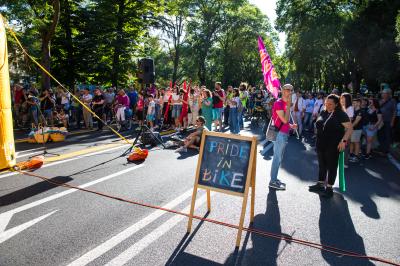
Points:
[[117, 43], [70, 67], [45, 63], [176, 64], [47, 34]]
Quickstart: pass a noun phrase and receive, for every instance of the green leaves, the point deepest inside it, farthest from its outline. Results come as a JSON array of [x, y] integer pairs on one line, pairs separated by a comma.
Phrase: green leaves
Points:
[[333, 43]]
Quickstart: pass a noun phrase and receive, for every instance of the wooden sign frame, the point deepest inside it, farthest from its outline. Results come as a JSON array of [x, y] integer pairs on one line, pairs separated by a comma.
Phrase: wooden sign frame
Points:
[[250, 182]]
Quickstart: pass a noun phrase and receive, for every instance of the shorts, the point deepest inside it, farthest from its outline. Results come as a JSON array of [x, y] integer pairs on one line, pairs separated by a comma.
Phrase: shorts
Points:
[[150, 117], [217, 113], [370, 132], [139, 114], [197, 141], [176, 111], [356, 136]]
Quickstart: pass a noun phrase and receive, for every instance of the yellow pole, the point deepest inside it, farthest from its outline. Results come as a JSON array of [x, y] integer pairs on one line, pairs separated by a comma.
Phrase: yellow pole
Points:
[[7, 149]]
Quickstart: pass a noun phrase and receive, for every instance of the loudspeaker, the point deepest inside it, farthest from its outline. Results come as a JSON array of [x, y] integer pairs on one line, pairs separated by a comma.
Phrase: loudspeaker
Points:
[[146, 72]]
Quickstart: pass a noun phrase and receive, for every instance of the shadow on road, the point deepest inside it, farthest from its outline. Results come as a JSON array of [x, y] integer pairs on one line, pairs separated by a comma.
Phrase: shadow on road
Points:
[[337, 229], [364, 180], [180, 257], [265, 250], [33, 190]]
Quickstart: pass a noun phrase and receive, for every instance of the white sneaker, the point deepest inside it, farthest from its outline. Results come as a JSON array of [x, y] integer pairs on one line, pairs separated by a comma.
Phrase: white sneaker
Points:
[[181, 149]]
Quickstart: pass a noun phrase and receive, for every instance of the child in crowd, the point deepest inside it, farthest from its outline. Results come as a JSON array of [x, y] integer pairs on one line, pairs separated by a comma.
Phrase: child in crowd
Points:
[[151, 112], [139, 109]]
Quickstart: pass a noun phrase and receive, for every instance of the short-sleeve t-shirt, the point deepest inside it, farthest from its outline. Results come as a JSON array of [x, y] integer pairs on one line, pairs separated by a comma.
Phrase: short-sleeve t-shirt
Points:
[[18, 96], [280, 105], [151, 108], [330, 130], [217, 103], [97, 99], [358, 113], [388, 109], [372, 116]]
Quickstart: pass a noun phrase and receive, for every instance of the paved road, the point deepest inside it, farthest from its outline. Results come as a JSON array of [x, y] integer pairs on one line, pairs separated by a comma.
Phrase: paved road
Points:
[[41, 224]]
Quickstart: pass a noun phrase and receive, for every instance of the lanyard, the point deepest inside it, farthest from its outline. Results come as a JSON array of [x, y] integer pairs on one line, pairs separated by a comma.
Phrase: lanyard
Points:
[[330, 116]]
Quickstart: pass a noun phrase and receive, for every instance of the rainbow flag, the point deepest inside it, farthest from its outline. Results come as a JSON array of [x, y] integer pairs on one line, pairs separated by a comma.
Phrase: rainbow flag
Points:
[[270, 77]]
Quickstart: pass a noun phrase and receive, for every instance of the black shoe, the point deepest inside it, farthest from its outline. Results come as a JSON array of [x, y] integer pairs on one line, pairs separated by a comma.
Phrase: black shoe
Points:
[[319, 187], [367, 156], [327, 193]]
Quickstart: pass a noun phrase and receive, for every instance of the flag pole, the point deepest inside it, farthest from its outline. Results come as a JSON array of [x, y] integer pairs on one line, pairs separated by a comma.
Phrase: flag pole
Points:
[[291, 117]]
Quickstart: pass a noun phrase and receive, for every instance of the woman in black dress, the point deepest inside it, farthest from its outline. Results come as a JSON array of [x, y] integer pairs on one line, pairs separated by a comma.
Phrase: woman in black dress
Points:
[[333, 132]]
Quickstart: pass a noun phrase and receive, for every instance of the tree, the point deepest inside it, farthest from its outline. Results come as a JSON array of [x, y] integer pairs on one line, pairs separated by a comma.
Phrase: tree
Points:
[[173, 23], [203, 28], [42, 16], [237, 48], [333, 43]]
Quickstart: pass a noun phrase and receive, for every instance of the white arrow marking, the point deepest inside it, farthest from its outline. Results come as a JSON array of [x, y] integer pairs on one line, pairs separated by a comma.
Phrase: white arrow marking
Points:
[[13, 231], [4, 220], [5, 217]]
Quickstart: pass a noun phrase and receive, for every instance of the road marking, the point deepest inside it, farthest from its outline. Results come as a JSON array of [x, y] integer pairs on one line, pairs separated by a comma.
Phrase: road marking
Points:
[[35, 149], [5, 216], [28, 154], [69, 160], [4, 220], [267, 148], [120, 237], [13, 231], [394, 162], [136, 248]]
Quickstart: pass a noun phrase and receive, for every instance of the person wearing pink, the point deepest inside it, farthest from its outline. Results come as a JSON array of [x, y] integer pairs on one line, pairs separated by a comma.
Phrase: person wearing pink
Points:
[[281, 119], [122, 102]]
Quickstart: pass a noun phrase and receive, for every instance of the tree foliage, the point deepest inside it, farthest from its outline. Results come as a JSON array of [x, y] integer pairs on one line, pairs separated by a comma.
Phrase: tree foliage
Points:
[[100, 41], [335, 43]]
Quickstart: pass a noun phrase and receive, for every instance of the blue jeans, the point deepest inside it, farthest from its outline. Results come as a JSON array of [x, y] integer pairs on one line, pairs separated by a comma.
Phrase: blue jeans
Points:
[[240, 117], [233, 121], [34, 113], [279, 149], [157, 111], [307, 121]]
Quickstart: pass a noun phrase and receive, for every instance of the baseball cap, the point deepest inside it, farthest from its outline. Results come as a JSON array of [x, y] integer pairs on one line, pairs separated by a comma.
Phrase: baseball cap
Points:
[[287, 87]]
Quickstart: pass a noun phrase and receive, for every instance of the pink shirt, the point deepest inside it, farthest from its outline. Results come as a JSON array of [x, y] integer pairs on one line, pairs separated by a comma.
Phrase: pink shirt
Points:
[[123, 100], [280, 105]]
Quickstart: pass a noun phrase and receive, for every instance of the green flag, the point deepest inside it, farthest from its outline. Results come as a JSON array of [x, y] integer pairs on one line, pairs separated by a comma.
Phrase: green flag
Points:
[[342, 181]]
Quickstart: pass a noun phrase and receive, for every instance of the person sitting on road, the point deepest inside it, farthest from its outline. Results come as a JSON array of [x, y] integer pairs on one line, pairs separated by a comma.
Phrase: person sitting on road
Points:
[[121, 102], [193, 141], [62, 117]]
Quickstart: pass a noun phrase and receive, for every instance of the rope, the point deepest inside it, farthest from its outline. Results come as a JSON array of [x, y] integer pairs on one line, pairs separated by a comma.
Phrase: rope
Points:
[[330, 249], [59, 83]]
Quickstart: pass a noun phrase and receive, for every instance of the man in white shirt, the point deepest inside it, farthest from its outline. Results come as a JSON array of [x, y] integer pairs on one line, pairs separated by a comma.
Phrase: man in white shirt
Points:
[[318, 105], [298, 110], [308, 112]]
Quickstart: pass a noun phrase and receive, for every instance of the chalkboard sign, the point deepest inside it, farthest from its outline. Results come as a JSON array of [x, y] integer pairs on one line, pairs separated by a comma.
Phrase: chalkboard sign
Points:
[[224, 163], [227, 164]]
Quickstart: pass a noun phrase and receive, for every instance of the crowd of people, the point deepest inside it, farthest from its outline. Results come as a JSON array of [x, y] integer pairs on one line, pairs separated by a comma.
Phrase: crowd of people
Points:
[[173, 108], [374, 119], [339, 123]]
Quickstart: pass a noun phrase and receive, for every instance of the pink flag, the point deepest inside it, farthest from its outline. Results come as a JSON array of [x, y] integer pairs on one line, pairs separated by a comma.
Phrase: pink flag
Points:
[[270, 77]]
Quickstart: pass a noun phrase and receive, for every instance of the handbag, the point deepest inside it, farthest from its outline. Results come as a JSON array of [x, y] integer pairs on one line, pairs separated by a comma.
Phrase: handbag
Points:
[[272, 131]]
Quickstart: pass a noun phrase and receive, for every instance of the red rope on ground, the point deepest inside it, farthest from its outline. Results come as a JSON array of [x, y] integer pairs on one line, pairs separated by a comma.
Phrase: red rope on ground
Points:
[[326, 248]]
